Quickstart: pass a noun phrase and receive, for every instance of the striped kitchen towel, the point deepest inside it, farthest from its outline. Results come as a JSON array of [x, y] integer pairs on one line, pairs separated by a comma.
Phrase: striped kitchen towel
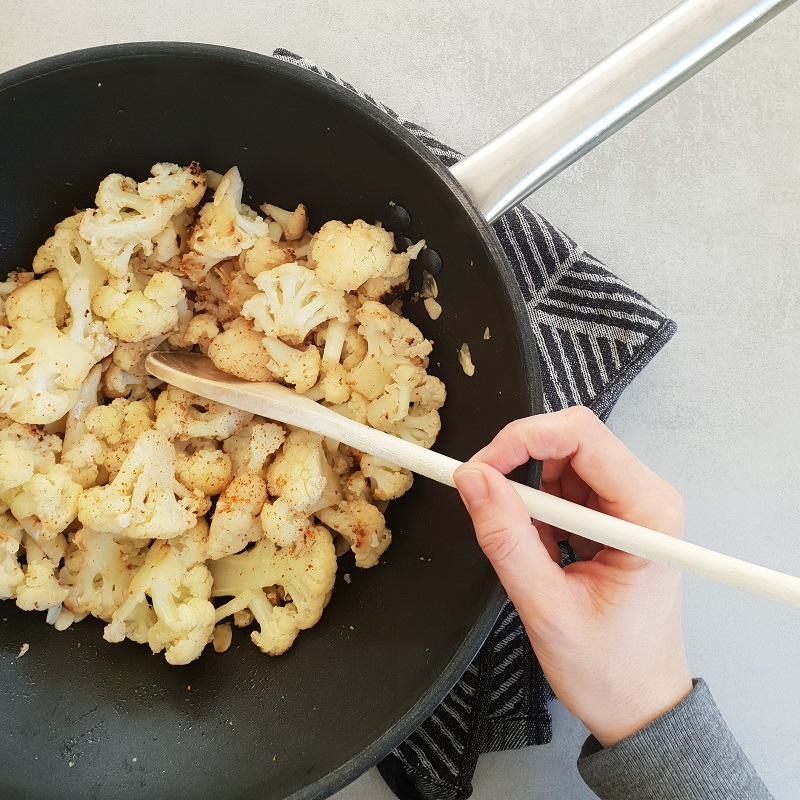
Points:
[[594, 334]]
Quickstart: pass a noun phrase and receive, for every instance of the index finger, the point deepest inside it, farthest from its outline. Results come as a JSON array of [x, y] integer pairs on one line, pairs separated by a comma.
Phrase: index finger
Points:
[[625, 487]]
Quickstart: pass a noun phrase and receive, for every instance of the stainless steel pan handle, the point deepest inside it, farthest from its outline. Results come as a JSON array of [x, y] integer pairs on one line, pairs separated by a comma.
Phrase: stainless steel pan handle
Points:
[[605, 98]]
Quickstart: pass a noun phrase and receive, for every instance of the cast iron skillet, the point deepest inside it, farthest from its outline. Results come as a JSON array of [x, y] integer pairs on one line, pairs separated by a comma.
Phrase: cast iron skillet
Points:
[[83, 718]]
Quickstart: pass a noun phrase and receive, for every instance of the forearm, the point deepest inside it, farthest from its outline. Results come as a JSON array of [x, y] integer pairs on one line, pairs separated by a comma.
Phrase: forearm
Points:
[[687, 754]]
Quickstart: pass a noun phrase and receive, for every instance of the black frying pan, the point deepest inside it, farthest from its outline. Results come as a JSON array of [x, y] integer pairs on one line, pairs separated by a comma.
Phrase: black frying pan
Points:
[[81, 718]]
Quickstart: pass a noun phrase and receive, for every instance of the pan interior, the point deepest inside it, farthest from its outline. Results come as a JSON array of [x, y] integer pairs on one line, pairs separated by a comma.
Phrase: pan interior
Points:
[[85, 718]]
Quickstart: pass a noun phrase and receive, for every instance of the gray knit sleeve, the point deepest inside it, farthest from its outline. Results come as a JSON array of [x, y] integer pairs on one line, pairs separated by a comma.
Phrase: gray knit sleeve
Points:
[[687, 754]]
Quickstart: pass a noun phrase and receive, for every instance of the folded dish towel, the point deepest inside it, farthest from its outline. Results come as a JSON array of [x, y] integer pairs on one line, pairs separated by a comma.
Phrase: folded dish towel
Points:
[[594, 334]]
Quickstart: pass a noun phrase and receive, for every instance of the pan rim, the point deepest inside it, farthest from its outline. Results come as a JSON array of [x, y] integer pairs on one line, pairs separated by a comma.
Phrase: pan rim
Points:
[[533, 399]]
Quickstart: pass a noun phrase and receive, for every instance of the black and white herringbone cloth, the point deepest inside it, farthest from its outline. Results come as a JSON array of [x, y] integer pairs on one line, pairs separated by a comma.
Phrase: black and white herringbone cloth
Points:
[[594, 334]]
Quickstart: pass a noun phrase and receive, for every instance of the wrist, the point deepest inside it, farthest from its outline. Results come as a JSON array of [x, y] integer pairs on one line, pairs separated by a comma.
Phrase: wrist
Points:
[[640, 707]]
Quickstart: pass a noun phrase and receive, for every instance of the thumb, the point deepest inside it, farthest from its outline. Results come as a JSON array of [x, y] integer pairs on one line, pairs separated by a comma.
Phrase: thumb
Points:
[[508, 538]]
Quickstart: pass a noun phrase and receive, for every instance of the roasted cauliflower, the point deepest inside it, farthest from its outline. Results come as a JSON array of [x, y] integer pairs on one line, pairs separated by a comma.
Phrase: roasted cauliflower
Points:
[[145, 506]]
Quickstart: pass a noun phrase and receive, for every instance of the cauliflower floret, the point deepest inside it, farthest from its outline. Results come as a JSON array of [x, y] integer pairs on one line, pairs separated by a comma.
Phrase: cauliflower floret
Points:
[[395, 402], [392, 340], [170, 245], [239, 288], [67, 252], [131, 216], [354, 350], [201, 330], [283, 524], [111, 295], [356, 408], [10, 284], [226, 226], [202, 467], [118, 383], [141, 501], [305, 574], [178, 584], [357, 487], [40, 364], [295, 366], [251, 447], [97, 572], [127, 376], [303, 481], [220, 288], [412, 392], [386, 481], [235, 523], [419, 427], [332, 338], [390, 285], [293, 223], [298, 473], [83, 460], [81, 453], [265, 254], [292, 302], [47, 503], [130, 356], [362, 525], [429, 395], [24, 450], [339, 456], [41, 371], [183, 415], [116, 427], [75, 425], [238, 351], [149, 313], [39, 492], [11, 575], [40, 590], [346, 256], [42, 300], [332, 385]]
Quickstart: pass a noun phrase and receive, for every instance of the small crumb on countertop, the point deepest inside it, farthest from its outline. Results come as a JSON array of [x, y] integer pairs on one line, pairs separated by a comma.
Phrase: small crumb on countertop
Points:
[[432, 307], [465, 359], [352, 628], [24, 649], [347, 577], [486, 334]]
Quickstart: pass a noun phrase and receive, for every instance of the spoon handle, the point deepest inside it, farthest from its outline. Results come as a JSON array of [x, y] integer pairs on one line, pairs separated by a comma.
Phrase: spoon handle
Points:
[[577, 519], [283, 405]]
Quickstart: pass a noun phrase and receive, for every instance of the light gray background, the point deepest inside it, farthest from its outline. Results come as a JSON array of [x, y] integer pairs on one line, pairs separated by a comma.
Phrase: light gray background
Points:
[[697, 204]]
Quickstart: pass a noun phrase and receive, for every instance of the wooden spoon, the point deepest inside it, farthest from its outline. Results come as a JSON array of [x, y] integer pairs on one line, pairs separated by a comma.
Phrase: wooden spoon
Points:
[[197, 374]]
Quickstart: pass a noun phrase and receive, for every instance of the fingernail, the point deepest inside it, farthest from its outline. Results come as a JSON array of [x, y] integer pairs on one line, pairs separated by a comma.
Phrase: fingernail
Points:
[[477, 456], [472, 485]]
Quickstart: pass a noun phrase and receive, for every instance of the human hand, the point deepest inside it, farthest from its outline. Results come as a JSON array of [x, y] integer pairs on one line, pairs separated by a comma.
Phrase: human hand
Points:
[[606, 629]]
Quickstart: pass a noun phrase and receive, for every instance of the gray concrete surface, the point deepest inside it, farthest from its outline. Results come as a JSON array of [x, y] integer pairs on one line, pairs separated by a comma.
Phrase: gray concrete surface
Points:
[[697, 204]]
